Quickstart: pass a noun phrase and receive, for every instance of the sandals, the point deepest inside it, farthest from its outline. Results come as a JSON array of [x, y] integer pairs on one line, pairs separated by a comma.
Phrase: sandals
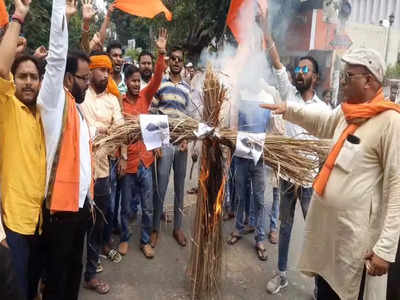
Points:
[[234, 238], [99, 286], [113, 255], [261, 253]]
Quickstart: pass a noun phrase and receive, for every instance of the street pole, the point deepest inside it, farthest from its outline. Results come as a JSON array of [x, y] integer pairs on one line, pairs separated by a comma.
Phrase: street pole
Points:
[[391, 21]]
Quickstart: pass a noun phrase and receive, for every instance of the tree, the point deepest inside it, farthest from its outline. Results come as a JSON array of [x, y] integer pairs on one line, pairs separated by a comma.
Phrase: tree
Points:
[[37, 25], [195, 24]]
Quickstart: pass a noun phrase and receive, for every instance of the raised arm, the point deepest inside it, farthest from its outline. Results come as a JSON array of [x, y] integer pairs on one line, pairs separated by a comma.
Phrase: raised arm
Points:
[[106, 24], [8, 45], [87, 16], [53, 81], [283, 83], [155, 81]]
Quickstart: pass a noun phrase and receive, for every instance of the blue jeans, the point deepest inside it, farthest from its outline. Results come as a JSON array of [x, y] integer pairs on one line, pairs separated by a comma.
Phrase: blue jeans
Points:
[[171, 158], [141, 184], [26, 253], [289, 195], [274, 210], [115, 198], [246, 169]]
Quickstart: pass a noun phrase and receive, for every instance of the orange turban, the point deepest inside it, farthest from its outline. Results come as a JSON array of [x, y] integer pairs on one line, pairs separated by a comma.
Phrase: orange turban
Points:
[[100, 61], [103, 61]]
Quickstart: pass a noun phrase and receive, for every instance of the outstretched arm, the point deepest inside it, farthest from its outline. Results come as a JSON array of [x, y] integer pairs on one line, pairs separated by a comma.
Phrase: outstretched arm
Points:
[[155, 81], [319, 122], [8, 45]]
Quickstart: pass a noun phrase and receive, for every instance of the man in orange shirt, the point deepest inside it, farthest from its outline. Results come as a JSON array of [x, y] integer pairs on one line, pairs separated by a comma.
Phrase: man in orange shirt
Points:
[[137, 169]]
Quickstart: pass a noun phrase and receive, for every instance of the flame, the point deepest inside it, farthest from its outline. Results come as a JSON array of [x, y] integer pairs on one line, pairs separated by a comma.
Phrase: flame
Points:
[[220, 196]]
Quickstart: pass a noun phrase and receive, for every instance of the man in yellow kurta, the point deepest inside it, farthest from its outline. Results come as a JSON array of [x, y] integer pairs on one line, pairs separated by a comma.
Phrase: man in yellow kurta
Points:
[[353, 224], [22, 154]]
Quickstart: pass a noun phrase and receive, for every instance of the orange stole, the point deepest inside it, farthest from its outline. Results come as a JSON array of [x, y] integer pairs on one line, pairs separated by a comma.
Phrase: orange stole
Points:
[[354, 113]]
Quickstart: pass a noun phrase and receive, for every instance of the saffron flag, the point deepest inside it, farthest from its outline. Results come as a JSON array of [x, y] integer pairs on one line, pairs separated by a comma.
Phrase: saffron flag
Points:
[[237, 23], [3, 14], [141, 8]]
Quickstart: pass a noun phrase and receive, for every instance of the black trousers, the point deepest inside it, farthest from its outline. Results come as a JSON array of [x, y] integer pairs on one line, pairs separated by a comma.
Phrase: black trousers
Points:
[[393, 288], [9, 287], [325, 292], [63, 240]]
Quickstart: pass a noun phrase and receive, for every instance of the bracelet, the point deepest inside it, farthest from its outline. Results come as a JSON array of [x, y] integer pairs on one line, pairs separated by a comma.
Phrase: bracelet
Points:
[[17, 19]]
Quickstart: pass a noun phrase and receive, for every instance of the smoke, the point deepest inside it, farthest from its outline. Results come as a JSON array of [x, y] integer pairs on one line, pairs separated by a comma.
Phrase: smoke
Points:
[[244, 68]]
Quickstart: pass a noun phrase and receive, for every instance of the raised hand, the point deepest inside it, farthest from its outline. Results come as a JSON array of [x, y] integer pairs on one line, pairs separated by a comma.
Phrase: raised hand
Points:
[[110, 10], [21, 46], [161, 42], [87, 10], [22, 7], [71, 9], [40, 52], [277, 109]]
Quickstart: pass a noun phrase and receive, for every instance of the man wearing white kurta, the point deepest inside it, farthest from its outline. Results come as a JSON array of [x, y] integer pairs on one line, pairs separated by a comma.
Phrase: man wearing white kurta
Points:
[[353, 224]]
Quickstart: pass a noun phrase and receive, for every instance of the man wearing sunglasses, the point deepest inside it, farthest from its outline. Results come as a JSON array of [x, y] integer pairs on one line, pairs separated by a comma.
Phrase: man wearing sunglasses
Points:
[[353, 227], [172, 99], [301, 89]]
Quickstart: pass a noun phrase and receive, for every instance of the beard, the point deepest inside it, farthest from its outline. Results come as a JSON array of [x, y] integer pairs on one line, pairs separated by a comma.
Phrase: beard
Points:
[[304, 85], [78, 93], [100, 86], [146, 75]]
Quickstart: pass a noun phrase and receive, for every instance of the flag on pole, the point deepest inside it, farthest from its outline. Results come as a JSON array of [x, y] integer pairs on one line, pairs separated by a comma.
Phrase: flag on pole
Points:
[[3, 14], [143, 8], [233, 19]]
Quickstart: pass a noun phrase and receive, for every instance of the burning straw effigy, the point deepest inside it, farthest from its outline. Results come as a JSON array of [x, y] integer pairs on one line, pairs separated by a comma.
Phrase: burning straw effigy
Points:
[[292, 158]]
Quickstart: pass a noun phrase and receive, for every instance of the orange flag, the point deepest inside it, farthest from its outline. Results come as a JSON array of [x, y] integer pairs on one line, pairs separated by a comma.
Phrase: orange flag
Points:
[[3, 14], [232, 19], [143, 8]]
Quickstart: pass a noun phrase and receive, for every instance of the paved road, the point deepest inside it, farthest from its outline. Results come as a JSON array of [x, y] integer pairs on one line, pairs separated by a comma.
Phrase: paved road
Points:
[[163, 278]]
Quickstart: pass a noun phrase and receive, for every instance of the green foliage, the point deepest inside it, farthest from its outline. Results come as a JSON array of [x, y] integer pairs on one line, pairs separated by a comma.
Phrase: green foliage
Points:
[[393, 71], [133, 54], [37, 25], [194, 25]]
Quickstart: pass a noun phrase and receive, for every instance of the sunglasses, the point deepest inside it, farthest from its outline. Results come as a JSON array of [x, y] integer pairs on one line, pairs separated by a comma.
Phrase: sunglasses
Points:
[[303, 70]]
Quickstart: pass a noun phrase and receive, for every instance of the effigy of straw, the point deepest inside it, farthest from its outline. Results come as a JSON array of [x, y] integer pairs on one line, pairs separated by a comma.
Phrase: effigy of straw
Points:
[[204, 268], [292, 158]]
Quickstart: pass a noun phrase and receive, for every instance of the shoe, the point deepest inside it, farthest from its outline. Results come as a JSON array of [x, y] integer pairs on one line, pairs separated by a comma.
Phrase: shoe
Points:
[[273, 237], [154, 239], [277, 283], [147, 251], [179, 237]]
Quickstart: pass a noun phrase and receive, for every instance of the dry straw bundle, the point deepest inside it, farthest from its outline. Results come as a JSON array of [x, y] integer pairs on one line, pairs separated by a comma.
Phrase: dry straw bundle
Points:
[[204, 268], [292, 158]]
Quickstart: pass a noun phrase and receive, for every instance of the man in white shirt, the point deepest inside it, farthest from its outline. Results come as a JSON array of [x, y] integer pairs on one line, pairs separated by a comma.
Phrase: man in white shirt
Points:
[[302, 91], [64, 84]]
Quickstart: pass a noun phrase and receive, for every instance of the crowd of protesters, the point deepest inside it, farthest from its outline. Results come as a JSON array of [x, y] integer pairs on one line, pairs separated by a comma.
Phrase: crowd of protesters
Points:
[[60, 198]]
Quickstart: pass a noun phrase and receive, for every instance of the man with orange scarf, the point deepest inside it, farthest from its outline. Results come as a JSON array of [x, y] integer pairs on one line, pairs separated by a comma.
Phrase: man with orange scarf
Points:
[[102, 111], [353, 224]]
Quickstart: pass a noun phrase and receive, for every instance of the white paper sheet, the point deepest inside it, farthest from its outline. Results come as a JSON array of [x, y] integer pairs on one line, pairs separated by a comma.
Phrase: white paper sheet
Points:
[[155, 130], [250, 145]]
